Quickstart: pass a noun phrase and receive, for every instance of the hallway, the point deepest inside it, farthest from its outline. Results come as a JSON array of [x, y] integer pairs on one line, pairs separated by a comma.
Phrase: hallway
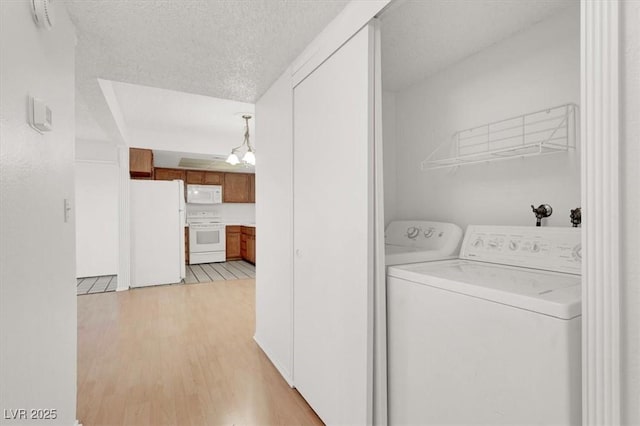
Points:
[[179, 355]]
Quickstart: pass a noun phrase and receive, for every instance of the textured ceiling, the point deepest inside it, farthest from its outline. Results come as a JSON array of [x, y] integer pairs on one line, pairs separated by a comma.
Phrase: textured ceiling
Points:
[[226, 49], [420, 38], [229, 49]]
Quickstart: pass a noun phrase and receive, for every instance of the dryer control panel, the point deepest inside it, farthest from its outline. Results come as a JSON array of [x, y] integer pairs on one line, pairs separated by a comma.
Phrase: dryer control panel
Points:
[[548, 248]]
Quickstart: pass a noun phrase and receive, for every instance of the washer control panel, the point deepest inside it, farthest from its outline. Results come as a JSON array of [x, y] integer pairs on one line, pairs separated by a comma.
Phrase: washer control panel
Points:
[[549, 248]]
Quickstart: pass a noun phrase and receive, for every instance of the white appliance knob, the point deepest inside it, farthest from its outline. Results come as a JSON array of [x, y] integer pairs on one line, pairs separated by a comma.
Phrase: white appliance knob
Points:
[[413, 232]]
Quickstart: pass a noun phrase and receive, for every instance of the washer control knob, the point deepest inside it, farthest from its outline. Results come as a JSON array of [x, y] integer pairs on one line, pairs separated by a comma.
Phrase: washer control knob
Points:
[[413, 232]]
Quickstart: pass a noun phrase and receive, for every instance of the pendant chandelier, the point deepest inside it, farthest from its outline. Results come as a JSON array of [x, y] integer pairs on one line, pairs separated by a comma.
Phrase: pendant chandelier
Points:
[[249, 156]]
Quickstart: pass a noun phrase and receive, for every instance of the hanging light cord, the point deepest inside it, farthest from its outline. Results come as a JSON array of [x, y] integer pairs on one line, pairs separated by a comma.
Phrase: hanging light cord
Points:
[[246, 136]]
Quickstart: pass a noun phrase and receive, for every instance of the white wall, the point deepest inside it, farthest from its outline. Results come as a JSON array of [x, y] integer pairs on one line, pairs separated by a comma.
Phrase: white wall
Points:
[[88, 150], [96, 219], [38, 334], [214, 142], [241, 213], [274, 216], [630, 196], [533, 70], [389, 155]]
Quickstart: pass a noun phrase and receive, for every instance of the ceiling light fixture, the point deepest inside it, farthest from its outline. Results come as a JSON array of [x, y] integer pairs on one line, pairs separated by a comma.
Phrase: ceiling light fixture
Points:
[[249, 156]]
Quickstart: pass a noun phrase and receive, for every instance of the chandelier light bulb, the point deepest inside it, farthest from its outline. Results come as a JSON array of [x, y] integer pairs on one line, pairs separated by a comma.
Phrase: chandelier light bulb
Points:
[[233, 159], [249, 158]]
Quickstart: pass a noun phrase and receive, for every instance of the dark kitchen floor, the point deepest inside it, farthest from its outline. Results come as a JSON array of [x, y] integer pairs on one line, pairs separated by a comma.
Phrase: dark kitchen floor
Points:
[[208, 272], [202, 273]]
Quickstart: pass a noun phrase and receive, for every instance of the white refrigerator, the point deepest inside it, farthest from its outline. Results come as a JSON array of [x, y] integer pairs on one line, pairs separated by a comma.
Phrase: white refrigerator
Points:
[[157, 232]]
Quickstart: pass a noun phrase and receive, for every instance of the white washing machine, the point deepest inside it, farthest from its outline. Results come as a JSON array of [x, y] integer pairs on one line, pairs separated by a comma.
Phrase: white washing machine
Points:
[[492, 337], [412, 241]]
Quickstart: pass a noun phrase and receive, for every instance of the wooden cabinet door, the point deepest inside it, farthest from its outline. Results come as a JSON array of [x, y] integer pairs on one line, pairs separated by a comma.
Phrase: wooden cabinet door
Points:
[[248, 244], [251, 249], [168, 174], [236, 188], [186, 244], [234, 236], [140, 163], [213, 178], [195, 177], [252, 188], [243, 245]]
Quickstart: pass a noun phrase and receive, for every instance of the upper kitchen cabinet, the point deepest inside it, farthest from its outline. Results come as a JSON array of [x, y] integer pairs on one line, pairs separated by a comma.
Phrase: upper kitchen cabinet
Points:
[[140, 163], [252, 188], [197, 177], [168, 174], [213, 178], [236, 188]]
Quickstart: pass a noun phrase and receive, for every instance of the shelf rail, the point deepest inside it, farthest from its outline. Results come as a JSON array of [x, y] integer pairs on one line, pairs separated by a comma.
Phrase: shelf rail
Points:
[[547, 131]]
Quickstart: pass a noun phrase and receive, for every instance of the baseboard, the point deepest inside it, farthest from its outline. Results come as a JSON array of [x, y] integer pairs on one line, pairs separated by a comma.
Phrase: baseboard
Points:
[[77, 423], [122, 288], [283, 371]]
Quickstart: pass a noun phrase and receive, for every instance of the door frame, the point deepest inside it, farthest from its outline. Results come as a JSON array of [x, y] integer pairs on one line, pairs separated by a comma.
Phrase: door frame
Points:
[[599, 118]]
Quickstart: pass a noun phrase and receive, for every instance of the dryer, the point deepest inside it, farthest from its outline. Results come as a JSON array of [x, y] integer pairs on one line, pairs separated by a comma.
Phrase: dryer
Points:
[[492, 337]]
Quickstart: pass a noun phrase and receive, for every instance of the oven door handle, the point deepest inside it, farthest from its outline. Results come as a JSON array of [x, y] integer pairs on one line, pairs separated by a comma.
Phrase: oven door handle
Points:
[[208, 227]]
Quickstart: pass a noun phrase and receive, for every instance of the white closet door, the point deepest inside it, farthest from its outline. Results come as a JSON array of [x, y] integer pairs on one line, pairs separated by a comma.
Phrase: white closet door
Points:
[[333, 234]]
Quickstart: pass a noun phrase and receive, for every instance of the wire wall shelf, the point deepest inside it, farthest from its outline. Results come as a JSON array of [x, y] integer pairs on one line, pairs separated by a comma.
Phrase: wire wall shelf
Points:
[[542, 132]]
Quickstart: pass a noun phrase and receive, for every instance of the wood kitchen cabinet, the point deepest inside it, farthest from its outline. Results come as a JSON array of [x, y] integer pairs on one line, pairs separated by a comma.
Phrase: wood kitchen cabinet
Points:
[[186, 244], [200, 177], [251, 249], [213, 178], [236, 188], [252, 188], [195, 177], [168, 174], [248, 244], [234, 242], [140, 163]]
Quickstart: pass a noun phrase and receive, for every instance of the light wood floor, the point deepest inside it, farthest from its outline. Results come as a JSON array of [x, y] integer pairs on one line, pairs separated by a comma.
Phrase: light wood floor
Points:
[[179, 355]]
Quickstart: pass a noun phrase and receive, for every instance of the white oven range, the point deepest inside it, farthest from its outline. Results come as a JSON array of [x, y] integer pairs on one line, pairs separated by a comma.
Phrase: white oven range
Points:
[[207, 239]]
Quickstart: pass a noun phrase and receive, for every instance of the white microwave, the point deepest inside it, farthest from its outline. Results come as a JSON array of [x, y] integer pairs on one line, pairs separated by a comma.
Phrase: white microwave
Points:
[[204, 194]]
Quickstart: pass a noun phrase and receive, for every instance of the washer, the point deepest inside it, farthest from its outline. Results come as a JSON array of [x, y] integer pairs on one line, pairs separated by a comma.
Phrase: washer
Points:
[[412, 241], [492, 337]]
